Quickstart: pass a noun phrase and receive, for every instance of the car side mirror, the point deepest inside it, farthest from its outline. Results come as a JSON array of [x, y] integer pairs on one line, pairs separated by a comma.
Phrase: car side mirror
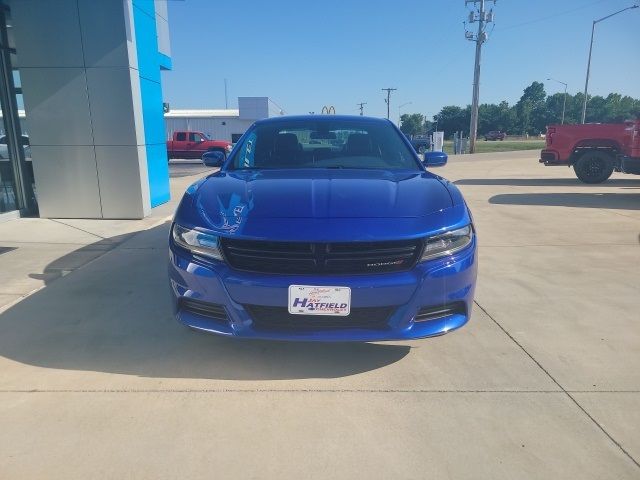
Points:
[[435, 159], [214, 158]]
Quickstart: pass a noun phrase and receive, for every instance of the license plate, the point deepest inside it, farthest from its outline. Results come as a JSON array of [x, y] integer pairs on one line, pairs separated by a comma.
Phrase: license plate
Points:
[[312, 300]]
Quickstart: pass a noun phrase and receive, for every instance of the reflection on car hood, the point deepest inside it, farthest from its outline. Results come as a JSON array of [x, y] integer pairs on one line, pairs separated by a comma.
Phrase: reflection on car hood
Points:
[[320, 205], [322, 194]]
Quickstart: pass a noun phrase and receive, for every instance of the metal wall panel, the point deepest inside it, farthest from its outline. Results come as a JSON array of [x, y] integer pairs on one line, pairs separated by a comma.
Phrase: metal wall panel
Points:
[[118, 173], [57, 106], [66, 181]]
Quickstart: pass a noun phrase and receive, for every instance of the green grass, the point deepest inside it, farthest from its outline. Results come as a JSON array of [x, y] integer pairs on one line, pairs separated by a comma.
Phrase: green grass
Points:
[[498, 146]]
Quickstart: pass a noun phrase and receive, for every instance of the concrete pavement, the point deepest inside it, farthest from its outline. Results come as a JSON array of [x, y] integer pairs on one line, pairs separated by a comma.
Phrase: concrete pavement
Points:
[[97, 380]]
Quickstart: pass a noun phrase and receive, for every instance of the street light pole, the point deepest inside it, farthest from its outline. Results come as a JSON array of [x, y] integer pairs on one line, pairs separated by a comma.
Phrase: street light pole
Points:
[[586, 83], [564, 103], [400, 107]]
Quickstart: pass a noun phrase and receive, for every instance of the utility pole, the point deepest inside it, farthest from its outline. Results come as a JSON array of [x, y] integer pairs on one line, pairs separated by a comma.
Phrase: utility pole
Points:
[[361, 106], [226, 97], [388, 99], [483, 18]]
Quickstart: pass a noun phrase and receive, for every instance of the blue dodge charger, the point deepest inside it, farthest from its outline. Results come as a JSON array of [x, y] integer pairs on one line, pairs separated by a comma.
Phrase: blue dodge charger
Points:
[[323, 228]]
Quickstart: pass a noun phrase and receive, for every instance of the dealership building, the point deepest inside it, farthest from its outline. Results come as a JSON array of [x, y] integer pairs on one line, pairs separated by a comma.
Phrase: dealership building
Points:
[[85, 75]]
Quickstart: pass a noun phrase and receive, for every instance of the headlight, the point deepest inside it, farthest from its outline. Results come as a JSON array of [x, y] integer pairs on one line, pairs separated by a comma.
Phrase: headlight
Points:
[[228, 148], [447, 243], [198, 243]]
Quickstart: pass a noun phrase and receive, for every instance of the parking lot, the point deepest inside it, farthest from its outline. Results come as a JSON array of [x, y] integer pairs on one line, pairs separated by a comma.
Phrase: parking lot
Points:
[[97, 380]]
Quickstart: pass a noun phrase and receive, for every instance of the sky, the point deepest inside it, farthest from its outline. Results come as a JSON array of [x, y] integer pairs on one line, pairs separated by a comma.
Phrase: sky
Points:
[[304, 55]]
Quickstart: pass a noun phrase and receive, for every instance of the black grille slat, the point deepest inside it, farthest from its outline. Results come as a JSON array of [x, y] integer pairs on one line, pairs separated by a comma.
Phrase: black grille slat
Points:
[[250, 252], [310, 258], [381, 251], [368, 258], [279, 319]]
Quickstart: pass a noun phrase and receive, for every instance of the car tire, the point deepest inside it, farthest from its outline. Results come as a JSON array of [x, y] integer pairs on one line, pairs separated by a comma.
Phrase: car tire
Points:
[[594, 167], [218, 150]]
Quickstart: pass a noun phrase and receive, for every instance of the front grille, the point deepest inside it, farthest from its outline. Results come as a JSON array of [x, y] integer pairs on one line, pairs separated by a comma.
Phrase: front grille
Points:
[[432, 313], [211, 310], [279, 318], [330, 258]]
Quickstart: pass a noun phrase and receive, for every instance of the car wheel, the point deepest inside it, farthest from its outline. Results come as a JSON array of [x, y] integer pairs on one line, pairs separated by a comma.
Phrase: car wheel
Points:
[[594, 167]]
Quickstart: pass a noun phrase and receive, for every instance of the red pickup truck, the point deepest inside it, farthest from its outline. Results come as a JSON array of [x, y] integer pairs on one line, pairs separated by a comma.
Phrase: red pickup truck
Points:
[[594, 150], [187, 144]]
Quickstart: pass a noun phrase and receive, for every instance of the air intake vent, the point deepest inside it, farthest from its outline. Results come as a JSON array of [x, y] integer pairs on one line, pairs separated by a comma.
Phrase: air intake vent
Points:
[[210, 310], [279, 318]]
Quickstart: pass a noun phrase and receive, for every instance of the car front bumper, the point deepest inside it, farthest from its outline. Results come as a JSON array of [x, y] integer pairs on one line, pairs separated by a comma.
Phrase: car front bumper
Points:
[[405, 295]]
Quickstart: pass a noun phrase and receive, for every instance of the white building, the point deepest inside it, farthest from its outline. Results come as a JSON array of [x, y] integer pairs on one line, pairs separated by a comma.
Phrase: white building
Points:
[[225, 124]]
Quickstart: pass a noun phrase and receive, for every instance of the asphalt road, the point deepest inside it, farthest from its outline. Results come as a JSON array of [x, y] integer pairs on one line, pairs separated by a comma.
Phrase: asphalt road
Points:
[[97, 380]]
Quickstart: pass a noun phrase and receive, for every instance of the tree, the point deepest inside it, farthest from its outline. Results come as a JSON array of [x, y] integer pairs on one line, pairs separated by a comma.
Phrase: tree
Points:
[[496, 117], [531, 109], [453, 119], [534, 111], [554, 105], [412, 124]]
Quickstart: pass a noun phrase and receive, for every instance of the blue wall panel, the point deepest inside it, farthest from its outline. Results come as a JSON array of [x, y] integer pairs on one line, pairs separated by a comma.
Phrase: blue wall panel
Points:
[[151, 98]]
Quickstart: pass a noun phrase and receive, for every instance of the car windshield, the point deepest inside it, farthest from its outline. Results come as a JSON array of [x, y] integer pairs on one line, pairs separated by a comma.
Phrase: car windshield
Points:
[[349, 144]]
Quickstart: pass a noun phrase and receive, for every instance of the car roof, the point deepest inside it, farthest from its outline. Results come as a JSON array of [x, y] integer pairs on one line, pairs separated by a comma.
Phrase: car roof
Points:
[[321, 118]]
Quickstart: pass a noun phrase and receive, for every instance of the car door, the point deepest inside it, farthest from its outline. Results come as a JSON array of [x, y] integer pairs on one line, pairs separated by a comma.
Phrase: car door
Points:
[[180, 145], [194, 145]]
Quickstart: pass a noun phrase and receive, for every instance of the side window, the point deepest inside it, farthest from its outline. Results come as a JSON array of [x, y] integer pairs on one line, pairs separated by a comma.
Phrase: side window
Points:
[[194, 138], [181, 136]]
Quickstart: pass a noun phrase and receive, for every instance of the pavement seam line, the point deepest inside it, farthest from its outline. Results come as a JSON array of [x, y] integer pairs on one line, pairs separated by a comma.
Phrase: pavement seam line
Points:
[[565, 391], [79, 229], [302, 390], [275, 390]]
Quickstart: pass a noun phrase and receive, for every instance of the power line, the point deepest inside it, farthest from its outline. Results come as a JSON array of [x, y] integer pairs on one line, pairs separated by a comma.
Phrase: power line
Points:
[[388, 99], [548, 17], [361, 106], [483, 18]]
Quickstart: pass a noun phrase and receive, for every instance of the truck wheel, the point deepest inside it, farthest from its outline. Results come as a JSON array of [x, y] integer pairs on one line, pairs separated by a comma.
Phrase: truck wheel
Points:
[[594, 167]]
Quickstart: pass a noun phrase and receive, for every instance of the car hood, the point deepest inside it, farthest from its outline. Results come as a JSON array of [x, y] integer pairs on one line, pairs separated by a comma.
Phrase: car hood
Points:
[[321, 205], [321, 194]]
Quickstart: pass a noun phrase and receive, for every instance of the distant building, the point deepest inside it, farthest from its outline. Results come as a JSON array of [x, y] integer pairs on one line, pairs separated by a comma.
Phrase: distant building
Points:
[[221, 124]]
